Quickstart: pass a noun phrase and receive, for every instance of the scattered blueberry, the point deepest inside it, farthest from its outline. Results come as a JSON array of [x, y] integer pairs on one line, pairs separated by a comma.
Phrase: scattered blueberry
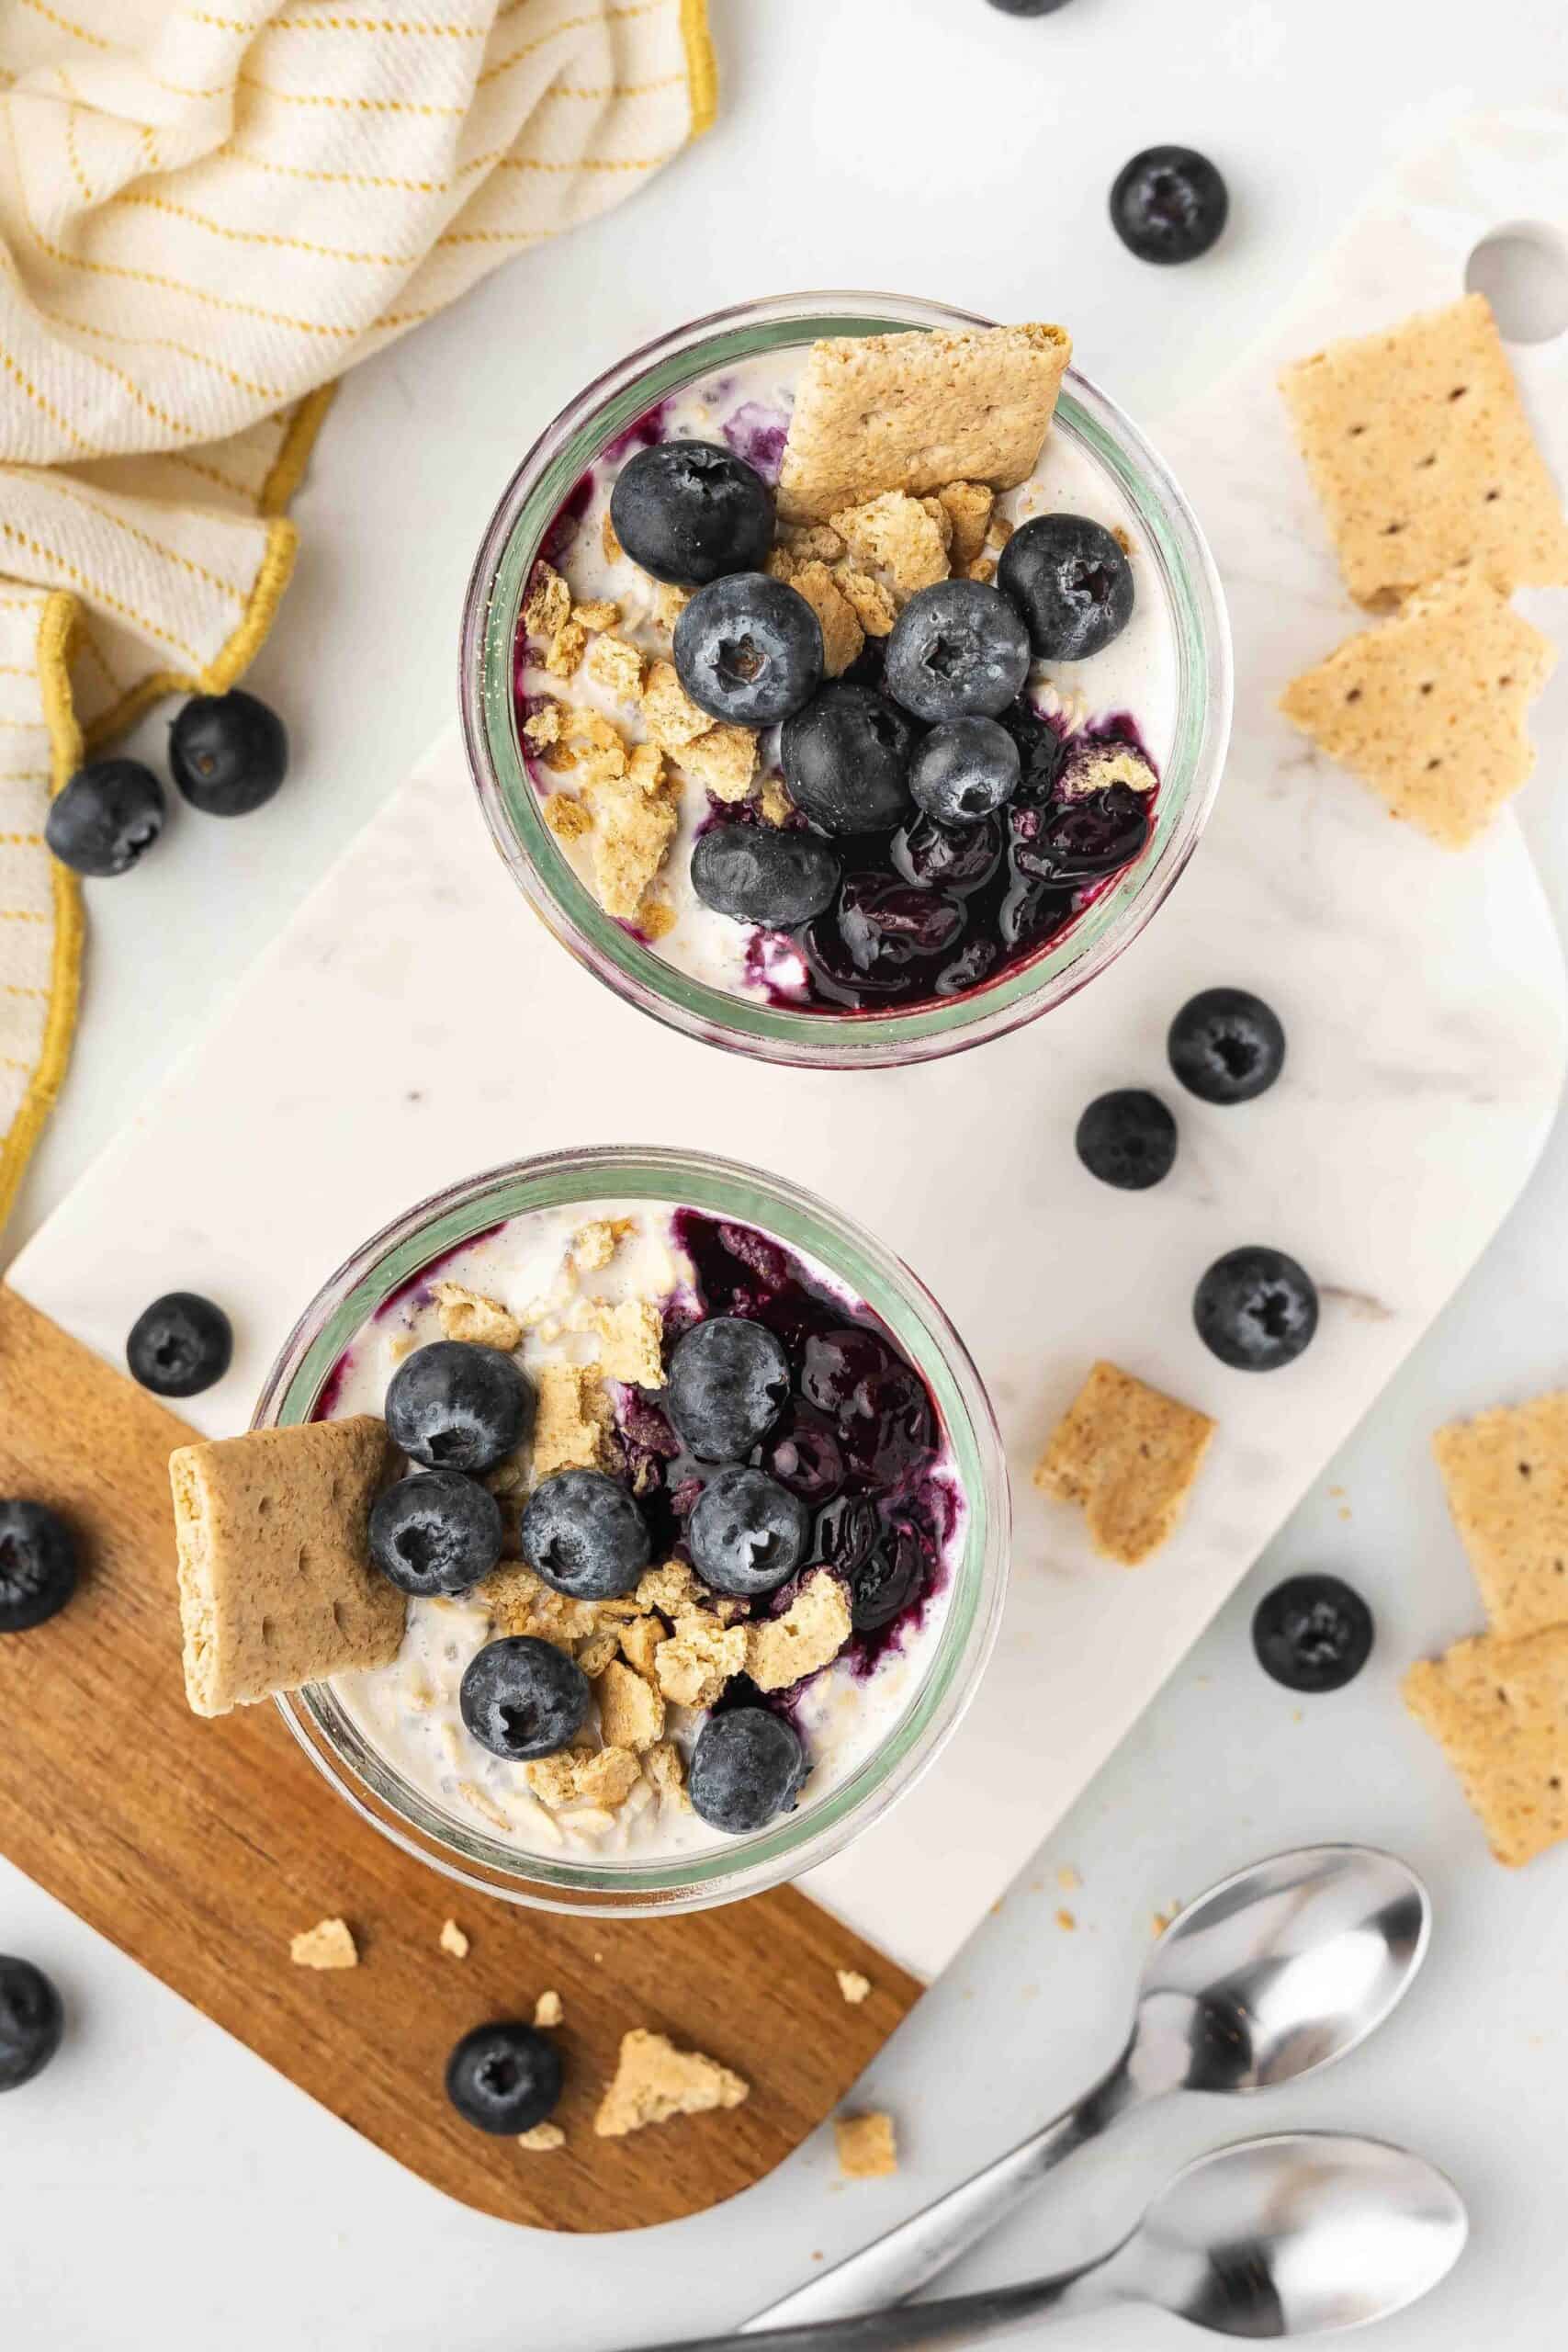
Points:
[[958, 649], [749, 650], [846, 759], [1127, 1139], [103, 820], [504, 2078], [1069, 843], [964, 770], [1072, 582], [228, 753], [454, 1405], [890, 1581], [747, 1765], [32, 2022], [935, 856], [37, 1565], [877, 1400], [584, 1534], [180, 1345], [523, 1698], [1168, 204], [728, 1382], [1313, 1633], [436, 1532], [756, 874], [1226, 1046], [747, 1534], [689, 512], [1256, 1309]]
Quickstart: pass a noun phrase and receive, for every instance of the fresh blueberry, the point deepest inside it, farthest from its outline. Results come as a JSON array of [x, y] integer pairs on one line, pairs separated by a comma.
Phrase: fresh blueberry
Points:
[[436, 1532], [523, 1698], [106, 816], [846, 1533], [456, 1406], [584, 1534], [1168, 204], [228, 753], [877, 1401], [964, 770], [728, 1382], [846, 759], [890, 1581], [889, 925], [1226, 1046], [180, 1345], [957, 858], [32, 2022], [806, 1457], [958, 649], [747, 1765], [749, 650], [1127, 1139], [1069, 843], [1313, 1633], [747, 1534], [37, 1565], [756, 874], [1070, 580], [689, 512], [1257, 1309], [504, 2078]]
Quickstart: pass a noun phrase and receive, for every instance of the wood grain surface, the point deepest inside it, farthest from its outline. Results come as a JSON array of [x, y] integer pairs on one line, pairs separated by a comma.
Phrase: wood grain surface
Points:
[[200, 1848]]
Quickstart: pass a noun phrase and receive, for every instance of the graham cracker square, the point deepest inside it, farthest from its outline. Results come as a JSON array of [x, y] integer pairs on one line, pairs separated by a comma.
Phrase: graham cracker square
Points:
[[276, 1587], [1499, 1711], [917, 411], [1429, 710], [1129, 1456], [867, 2146], [1506, 1477], [1420, 450]]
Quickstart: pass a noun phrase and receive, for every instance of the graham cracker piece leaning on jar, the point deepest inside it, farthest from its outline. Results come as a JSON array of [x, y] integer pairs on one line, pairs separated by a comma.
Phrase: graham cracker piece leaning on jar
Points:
[[1505, 1475], [1423, 458], [276, 1587], [915, 411], [1428, 708], [1499, 1711], [1129, 1456]]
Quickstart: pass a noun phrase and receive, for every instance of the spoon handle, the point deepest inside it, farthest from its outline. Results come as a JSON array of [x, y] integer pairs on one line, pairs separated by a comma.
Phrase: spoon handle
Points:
[[909, 2327], [909, 2257]]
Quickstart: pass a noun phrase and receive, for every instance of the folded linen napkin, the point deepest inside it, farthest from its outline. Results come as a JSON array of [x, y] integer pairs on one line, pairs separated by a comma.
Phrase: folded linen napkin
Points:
[[207, 213]]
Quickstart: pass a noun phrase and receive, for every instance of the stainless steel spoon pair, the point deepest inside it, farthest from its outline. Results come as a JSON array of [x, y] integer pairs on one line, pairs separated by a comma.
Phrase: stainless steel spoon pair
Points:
[[1270, 1975]]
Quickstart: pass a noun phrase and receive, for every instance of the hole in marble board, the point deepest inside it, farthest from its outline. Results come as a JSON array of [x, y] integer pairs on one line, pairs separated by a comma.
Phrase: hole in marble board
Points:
[[1522, 269]]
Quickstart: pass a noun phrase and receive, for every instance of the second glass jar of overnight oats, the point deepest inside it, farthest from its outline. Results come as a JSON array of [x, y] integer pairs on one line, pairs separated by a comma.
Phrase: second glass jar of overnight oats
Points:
[[887, 1429], [1165, 682]]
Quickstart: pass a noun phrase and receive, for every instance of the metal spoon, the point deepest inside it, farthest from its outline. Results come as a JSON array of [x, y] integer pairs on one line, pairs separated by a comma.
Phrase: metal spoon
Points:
[[1271, 1975], [1294, 2235]]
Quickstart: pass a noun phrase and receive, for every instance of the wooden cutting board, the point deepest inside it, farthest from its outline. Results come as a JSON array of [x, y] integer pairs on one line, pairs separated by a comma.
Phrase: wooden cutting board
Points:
[[200, 1848]]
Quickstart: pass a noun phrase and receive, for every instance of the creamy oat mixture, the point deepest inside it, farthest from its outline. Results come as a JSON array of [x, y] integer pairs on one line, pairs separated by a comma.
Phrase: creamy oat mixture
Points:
[[579, 1291]]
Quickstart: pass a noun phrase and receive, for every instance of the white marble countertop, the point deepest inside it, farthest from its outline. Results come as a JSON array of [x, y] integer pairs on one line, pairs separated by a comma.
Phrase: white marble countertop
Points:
[[203, 2190]]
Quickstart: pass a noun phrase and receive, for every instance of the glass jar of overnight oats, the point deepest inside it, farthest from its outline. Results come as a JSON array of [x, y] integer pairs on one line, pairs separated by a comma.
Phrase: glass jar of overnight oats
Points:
[[1164, 686], [605, 1259]]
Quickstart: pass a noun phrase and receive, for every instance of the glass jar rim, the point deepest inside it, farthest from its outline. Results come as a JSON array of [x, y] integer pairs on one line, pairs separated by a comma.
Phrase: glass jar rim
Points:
[[617, 1886], [1194, 598]]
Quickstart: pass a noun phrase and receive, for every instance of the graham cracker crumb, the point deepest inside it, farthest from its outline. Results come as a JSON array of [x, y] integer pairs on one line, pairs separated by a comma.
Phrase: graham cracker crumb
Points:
[[779, 563], [723, 761], [812, 543], [669, 713], [699, 1658], [631, 1711], [566, 817], [1160, 1920], [1505, 1475], [543, 726], [573, 1419], [606, 1777], [842, 636], [1065, 1921], [854, 1987], [631, 840], [608, 539], [465, 1314], [615, 665], [1130, 1456], [544, 2137], [1422, 456], [645, 768], [565, 649], [1094, 767], [656, 917], [631, 1340], [982, 569], [868, 2149], [598, 1653], [454, 1941], [599, 613], [329, 1944], [669, 603], [1499, 1710], [547, 605], [667, 1590], [944, 521], [894, 533], [775, 802], [584, 725], [593, 1245], [1069, 1879], [549, 2009], [654, 2082], [915, 411], [967, 506], [813, 1630], [667, 1774], [872, 604], [1429, 710], [998, 532], [639, 1639], [521, 1602]]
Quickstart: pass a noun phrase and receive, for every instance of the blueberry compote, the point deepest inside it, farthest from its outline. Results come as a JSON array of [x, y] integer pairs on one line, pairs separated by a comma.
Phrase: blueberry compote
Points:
[[860, 1440]]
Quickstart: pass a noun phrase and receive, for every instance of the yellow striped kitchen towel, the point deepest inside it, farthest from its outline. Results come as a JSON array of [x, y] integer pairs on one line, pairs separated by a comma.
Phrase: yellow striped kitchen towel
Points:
[[207, 213]]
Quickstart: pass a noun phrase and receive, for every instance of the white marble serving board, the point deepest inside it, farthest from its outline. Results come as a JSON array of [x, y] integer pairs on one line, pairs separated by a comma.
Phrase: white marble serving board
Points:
[[414, 1024]]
